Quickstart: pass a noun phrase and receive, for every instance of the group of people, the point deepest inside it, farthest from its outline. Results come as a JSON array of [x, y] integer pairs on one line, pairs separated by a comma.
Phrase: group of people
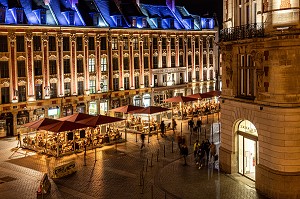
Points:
[[195, 127], [204, 153]]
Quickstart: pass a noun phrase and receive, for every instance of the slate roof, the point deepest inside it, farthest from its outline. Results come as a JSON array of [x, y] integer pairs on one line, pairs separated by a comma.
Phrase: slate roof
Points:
[[108, 12]]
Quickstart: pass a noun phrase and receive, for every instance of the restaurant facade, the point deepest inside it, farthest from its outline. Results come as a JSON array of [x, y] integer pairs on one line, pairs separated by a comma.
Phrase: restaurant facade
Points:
[[260, 94], [61, 57]]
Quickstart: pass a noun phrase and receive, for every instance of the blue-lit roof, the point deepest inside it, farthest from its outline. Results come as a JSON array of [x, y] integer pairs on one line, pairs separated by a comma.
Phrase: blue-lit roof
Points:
[[103, 13]]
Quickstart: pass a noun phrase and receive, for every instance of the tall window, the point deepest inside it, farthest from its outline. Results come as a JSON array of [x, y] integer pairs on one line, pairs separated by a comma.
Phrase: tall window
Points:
[[5, 95], [164, 61], [103, 43], [137, 82], [4, 70], [125, 43], [114, 43], [38, 91], [180, 43], [126, 63], [3, 44], [190, 76], [211, 60], [79, 44], [92, 85], [20, 44], [91, 43], [197, 60], [146, 45], [80, 66], [197, 75], [38, 67], [21, 68], [135, 43], [172, 43], [103, 64], [189, 42], [189, 60], [136, 63], [52, 43], [116, 84], [146, 81], [146, 62], [22, 93], [92, 65], [52, 67], [37, 45], [181, 60], [115, 63], [204, 60], [80, 90], [154, 43], [67, 67], [67, 87], [66, 44], [173, 61], [164, 43], [53, 90], [246, 76], [155, 62], [126, 83]]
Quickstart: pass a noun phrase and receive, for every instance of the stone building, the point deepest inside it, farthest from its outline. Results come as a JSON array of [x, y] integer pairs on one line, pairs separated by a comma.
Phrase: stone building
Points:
[[261, 94], [58, 57]]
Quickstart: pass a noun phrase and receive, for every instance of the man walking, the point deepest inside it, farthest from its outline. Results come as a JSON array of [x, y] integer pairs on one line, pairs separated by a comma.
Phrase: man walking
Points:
[[143, 140], [199, 124], [19, 140]]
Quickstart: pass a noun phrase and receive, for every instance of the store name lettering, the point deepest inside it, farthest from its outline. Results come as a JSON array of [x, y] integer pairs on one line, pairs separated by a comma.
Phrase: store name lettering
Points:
[[247, 129]]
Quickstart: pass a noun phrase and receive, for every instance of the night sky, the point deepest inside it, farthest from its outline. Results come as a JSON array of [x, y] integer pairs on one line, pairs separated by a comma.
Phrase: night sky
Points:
[[197, 7]]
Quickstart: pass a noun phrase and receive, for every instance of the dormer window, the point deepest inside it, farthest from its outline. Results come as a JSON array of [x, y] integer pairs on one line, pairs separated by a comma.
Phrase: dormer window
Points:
[[190, 22], [70, 17], [96, 18], [118, 21], [144, 23], [171, 23], [17, 14], [133, 22], [2, 14], [40, 15]]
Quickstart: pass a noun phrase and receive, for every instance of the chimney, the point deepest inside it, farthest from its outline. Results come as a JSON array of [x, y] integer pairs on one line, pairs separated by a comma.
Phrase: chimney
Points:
[[171, 5], [137, 2]]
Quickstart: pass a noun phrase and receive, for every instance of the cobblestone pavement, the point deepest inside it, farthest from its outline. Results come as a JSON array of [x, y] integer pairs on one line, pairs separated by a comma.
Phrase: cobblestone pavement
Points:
[[122, 171]]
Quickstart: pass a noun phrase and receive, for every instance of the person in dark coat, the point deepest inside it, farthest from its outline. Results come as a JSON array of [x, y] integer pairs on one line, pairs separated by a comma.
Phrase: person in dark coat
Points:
[[162, 127]]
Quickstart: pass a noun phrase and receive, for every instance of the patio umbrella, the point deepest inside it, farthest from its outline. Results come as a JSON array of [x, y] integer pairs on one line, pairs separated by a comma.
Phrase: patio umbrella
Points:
[[99, 120], [76, 117], [196, 96], [126, 109], [62, 126], [150, 110], [40, 123], [181, 99], [211, 94]]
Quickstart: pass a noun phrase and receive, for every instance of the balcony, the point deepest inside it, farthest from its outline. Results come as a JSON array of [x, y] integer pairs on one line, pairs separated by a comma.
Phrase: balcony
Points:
[[242, 32]]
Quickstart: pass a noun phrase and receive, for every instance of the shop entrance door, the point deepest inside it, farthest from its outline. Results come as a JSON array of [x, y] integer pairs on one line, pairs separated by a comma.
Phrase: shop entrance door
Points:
[[247, 156]]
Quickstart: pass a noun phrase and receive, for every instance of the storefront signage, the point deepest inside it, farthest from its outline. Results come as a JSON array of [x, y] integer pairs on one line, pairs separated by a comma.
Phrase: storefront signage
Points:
[[247, 127], [64, 170]]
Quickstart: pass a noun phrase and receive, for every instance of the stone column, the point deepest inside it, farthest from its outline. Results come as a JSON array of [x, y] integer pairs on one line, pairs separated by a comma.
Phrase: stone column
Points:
[[131, 63], [151, 82], [121, 68], [193, 60], [201, 59], [168, 52], [13, 65], [86, 65], [60, 71], [30, 71], [141, 61], [98, 62], [73, 65], [46, 82]]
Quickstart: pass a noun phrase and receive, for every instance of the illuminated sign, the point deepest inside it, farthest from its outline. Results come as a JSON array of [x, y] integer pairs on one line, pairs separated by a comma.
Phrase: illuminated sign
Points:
[[247, 127]]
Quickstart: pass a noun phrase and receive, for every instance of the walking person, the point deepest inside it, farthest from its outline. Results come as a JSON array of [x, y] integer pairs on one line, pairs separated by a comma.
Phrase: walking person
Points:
[[191, 125], [213, 152], [199, 124], [19, 140], [143, 140], [207, 149], [174, 125], [162, 128], [184, 152], [200, 156], [196, 147]]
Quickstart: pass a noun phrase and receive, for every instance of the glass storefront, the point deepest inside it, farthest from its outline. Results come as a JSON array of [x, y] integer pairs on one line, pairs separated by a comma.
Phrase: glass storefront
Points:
[[54, 112], [137, 100], [103, 107], [247, 149], [67, 110], [146, 100], [93, 110]]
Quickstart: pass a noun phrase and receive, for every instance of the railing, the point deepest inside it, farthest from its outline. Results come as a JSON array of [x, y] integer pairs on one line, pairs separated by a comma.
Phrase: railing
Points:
[[242, 32]]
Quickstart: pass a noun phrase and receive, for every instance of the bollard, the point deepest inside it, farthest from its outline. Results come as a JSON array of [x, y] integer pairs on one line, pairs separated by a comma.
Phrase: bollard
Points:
[[151, 191], [205, 132], [172, 146], [157, 134], [207, 119], [136, 137], [190, 139], [212, 132], [95, 154], [157, 155], [84, 155], [164, 151]]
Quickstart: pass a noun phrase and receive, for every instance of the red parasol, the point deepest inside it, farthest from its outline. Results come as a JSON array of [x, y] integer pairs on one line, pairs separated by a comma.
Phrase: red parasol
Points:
[[126, 109], [180, 99], [205, 95], [61, 126], [76, 117], [40, 123], [150, 110], [99, 120]]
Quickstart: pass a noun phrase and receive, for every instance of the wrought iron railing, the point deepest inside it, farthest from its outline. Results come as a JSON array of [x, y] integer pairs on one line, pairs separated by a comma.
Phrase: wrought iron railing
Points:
[[242, 32]]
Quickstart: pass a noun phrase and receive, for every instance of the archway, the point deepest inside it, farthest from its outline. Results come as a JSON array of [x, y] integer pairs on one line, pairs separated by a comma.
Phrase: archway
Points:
[[247, 148]]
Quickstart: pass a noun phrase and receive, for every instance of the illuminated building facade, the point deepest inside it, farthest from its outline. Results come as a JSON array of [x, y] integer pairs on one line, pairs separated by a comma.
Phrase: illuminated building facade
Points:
[[58, 57], [260, 94]]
